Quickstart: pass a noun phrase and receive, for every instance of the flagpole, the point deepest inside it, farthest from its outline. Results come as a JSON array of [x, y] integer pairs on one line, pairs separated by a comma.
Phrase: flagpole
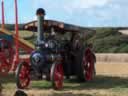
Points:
[[2, 5]]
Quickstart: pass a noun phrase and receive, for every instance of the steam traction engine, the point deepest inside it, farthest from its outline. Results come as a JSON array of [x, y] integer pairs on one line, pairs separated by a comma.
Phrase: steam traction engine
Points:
[[56, 58]]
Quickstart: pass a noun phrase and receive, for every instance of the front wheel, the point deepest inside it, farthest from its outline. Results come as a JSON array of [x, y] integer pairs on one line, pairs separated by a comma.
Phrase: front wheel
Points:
[[57, 76], [23, 75]]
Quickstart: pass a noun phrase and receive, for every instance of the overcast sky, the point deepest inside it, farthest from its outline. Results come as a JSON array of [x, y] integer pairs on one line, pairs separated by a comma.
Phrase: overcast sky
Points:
[[79, 12]]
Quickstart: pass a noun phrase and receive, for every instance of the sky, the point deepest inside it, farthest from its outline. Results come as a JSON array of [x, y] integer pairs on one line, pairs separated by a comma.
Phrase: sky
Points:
[[88, 13]]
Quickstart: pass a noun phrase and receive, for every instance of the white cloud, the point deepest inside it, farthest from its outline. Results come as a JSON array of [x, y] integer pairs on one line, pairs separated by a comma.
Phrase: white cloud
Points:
[[96, 12], [71, 5], [83, 12], [81, 5], [88, 3]]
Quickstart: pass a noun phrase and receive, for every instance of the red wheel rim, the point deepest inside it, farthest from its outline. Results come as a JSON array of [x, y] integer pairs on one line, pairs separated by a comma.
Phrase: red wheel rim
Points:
[[58, 76], [24, 76], [6, 57], [88, 65], [4, 66]]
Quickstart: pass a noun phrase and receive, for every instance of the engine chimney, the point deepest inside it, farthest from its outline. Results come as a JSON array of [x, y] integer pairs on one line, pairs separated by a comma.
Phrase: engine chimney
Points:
[[40, 20]]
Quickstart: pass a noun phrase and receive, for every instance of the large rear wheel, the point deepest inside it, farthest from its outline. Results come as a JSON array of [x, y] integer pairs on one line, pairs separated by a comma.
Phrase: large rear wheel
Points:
[[23, 75], [4, 66], [57, 76], [6, 56], [85, 65], [88, 65]]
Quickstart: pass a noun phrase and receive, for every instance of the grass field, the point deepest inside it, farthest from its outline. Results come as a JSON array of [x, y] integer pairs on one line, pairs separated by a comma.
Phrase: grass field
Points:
[[103, 84], [23, 33]]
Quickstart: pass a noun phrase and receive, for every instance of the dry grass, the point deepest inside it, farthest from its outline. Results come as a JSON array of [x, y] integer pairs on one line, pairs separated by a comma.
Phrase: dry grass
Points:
[[125, 32], [112, 68], [112, 57]]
